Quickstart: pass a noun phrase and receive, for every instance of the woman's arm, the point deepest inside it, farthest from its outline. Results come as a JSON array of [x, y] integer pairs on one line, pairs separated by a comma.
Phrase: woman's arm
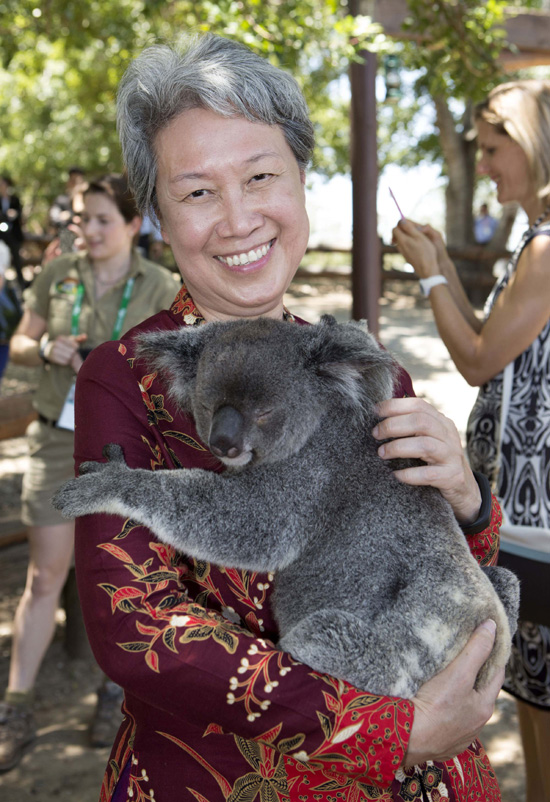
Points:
[[25, 342], [519, 315], [447, 268], [26, 348], [449, 713]]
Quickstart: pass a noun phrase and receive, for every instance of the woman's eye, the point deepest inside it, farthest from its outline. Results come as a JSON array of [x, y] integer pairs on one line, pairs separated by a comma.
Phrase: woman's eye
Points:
[[261, 177], [197, 193]]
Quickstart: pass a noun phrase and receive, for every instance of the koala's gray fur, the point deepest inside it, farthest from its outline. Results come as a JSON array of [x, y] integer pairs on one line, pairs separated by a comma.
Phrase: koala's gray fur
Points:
[[374, 580]]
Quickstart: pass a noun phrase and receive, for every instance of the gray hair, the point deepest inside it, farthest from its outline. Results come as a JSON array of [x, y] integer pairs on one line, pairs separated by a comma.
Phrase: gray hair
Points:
[[202, 71]]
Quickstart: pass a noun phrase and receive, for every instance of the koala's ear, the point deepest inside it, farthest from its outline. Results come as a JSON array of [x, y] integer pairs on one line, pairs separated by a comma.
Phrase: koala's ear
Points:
[[174, 354], [351, 361]]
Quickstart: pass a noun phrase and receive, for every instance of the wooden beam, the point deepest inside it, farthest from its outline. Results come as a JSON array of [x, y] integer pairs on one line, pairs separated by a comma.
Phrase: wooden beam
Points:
[[365, 262]]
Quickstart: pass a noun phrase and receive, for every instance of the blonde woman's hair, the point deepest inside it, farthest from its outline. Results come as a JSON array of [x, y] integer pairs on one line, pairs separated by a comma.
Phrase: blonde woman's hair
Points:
[[521, 109]]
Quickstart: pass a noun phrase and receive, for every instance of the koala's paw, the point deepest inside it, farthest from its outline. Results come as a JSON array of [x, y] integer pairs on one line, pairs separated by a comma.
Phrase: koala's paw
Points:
[[93, 489], [114, 456]]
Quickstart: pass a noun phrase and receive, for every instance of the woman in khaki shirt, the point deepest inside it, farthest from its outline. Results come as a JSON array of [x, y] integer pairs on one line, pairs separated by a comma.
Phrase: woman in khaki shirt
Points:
[[76, 302]]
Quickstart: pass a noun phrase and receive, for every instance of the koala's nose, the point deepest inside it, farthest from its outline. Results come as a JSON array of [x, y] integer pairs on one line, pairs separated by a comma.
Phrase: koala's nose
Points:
[[226, 434]]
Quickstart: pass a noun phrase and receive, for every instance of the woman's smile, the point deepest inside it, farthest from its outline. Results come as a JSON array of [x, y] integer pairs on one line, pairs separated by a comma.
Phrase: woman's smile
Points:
[[252, 258]]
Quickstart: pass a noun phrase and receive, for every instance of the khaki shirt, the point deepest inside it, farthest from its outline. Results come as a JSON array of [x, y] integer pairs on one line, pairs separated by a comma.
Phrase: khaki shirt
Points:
[[52, 295]]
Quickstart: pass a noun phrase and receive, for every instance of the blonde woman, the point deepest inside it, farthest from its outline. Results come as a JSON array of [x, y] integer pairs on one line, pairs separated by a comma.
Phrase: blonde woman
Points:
[[508, 357]]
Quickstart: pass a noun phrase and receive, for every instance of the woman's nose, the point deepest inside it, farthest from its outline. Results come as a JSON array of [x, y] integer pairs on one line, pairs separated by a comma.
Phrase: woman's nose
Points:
[[481, 166], [240, 217]]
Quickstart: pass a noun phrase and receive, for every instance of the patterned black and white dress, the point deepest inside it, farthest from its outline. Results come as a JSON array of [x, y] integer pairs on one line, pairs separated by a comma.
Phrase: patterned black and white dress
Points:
[[517, 462]]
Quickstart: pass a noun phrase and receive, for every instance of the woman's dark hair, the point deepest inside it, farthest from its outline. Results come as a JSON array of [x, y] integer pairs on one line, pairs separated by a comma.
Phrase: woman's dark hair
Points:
[[116, 187]]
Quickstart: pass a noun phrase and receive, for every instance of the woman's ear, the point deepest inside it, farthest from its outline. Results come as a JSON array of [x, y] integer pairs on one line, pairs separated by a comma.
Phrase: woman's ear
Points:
[[135, 225], [160, 226]]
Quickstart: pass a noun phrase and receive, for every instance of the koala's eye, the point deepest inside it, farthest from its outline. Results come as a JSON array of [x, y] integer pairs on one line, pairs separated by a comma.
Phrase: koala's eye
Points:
[[263, 416]]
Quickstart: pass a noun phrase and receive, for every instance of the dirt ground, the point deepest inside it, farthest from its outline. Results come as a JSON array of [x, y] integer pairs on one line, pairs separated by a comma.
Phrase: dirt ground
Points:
[[62, 765]]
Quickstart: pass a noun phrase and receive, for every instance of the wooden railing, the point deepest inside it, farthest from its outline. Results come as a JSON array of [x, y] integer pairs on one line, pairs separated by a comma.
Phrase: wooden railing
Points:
[[35, 245], [476, 253]]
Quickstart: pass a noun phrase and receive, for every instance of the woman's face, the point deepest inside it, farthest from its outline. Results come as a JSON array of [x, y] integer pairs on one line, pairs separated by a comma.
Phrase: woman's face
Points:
[[232, 207], [505, 162], [106, 232]]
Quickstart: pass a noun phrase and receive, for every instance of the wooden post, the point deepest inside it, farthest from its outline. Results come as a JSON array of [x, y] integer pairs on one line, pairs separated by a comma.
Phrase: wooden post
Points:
[[366, 256]]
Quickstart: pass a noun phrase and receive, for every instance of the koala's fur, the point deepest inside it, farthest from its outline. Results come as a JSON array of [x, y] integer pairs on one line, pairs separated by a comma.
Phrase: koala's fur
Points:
[[374, 580]]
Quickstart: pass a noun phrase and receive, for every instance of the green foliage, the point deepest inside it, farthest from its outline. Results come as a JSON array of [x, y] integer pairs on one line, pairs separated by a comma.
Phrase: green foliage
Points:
[[62, 61], [452, 54], [457, 46]]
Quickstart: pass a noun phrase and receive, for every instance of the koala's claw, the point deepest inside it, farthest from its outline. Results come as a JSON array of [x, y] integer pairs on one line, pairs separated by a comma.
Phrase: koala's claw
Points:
[[92, 467], [87, 494], [114, 455], [66, 497]]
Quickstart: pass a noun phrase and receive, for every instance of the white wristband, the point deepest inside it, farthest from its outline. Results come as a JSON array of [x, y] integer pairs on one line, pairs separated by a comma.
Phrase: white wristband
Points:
[[426, 284]]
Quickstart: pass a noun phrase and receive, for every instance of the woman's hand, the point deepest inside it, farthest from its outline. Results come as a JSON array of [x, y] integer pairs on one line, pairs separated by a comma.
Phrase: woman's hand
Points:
[[449, 713], [52, 251], [437, 240], [421, 246], [64, 350], [419, 431]]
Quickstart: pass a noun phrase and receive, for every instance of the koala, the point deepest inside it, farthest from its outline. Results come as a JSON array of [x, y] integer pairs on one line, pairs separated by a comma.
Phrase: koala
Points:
[[374, 581]]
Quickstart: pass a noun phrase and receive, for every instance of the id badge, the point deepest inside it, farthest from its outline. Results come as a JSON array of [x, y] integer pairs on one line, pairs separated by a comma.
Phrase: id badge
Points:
[[66, 419]]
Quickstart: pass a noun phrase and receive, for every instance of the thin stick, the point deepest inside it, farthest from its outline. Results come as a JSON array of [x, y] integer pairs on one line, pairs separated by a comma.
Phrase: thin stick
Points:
[[398, 208]]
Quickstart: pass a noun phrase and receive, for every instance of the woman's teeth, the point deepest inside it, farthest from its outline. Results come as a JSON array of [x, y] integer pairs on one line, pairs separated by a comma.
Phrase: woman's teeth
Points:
[[245, 258]]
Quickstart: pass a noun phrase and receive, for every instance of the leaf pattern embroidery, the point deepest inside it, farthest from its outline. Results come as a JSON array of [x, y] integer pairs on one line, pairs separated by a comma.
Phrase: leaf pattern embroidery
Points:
[[185, 438]]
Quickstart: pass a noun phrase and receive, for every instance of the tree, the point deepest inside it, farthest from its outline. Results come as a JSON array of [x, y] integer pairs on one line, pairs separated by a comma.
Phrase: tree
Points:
[[453, 49], [62, 61]]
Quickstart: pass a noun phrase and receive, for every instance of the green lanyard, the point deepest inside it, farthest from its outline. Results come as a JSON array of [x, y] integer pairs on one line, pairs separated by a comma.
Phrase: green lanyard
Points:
[[121, 314]]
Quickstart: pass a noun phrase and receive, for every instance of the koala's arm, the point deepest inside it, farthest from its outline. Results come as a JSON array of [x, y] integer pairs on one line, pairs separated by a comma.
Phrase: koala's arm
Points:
[[147, 630], [255, 519]]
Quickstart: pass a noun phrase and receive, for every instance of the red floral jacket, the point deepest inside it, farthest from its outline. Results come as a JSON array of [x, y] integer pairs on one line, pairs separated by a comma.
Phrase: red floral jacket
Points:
[[213, 711]]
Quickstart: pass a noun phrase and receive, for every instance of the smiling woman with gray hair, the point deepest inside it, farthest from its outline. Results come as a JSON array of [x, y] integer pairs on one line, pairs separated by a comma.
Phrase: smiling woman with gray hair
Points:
[[216, 140]]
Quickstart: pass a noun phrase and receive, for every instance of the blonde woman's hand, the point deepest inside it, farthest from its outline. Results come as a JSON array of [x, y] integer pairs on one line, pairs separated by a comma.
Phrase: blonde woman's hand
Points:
[[437, 240], [417, 247]]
